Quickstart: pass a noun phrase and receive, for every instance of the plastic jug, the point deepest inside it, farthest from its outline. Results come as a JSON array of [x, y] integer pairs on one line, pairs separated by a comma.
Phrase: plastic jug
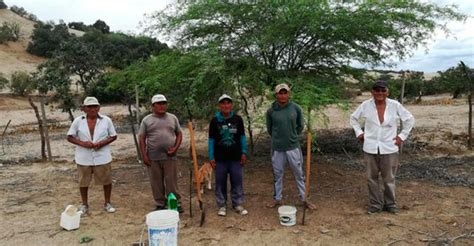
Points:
[[70, 218], [172, 202]]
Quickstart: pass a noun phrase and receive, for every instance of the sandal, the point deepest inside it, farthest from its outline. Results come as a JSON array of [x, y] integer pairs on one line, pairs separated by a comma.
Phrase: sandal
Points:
[[273, 204]]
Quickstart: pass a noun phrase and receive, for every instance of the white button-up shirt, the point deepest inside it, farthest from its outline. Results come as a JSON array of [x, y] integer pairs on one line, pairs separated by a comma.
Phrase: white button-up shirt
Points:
[[379, 137], [104, 128]]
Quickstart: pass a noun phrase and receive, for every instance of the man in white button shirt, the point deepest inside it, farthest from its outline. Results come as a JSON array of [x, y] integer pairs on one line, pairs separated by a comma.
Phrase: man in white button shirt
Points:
[[381, 144], [92, 133]]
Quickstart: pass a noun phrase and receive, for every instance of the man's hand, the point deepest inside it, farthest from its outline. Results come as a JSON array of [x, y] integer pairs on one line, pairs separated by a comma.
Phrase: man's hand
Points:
[[398, 141], [146, 160], [172, 150], [88, 144], [213, 164], [361, 137], [243, 159]]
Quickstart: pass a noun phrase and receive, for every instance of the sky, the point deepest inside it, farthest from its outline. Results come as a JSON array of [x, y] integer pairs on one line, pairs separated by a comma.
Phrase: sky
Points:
[[125, 15]]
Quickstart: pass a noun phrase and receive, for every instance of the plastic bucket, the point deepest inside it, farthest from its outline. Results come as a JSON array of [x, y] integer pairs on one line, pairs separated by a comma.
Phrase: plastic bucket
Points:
[[287, 215], [162, 227]]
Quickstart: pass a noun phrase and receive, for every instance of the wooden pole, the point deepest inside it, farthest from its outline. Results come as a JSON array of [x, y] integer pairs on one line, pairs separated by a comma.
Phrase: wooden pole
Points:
[[137, 104], [402, 95], [45, 128], [196, 171]]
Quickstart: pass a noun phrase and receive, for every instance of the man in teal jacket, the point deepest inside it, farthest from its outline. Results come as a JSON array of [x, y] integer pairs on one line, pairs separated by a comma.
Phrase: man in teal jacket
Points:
[[284, 124]]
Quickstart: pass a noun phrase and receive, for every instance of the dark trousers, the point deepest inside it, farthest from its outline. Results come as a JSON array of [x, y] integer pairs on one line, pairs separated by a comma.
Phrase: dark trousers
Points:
[[387, 166], [164, 180], [234, 170]]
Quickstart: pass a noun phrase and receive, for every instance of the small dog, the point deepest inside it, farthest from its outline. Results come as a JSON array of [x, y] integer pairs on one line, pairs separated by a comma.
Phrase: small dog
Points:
[[205, 175]]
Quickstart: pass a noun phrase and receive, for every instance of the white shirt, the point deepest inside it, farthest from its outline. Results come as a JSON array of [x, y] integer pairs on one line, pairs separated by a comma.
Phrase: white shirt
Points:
[[104, 128], [380, 136]]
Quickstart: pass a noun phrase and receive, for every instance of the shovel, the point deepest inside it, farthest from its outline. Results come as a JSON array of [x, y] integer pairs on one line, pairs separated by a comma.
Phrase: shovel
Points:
[[308, 172], [195, 165]]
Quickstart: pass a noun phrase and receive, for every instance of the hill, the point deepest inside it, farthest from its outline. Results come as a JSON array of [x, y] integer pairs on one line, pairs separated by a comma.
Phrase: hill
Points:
[[13, 55]]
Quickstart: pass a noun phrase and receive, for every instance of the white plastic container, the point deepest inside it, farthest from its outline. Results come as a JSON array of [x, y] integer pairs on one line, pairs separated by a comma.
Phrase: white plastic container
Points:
[[70, 218], [287, 215], [162, 228]]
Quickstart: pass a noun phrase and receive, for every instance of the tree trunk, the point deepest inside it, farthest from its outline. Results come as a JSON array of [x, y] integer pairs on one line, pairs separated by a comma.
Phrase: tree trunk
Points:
[[249, 120], [470, 121], [40, 128], [45, 129], [71, 116], [132, 125]]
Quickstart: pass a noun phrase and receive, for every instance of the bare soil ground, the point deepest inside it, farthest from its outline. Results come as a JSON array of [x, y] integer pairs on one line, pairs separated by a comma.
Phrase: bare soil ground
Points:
[[435, 188]]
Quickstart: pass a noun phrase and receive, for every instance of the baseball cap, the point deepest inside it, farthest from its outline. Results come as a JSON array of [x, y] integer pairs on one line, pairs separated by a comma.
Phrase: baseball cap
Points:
[[89, 101], [282, 86], [158, 98], [224, 96], [380, 84]]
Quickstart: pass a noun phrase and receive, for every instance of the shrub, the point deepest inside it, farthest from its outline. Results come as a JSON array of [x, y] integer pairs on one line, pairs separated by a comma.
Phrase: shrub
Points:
[[9, 32], [3, 5], [3, 81], [21, 84], [47, 39]]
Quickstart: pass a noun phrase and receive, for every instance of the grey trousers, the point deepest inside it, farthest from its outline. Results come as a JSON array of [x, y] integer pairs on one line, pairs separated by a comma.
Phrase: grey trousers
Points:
[[164, 180], [387, 166], [294, 158]]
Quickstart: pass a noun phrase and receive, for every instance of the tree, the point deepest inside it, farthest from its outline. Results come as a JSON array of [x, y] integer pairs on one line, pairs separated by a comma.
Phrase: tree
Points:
[[78, 26], [304, 35], [3, 5], [20, 83], [101, 26], [453, 80], [47, 38], [52, 76], [3, 81], [81, 59]]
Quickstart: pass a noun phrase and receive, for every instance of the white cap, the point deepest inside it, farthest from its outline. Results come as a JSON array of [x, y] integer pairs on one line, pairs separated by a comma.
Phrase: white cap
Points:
[[282, 86], [224, 96], [90, 101], [158, 98]]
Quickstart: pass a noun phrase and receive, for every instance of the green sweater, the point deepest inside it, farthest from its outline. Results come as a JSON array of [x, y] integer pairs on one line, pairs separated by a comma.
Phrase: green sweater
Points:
[[284, 124]]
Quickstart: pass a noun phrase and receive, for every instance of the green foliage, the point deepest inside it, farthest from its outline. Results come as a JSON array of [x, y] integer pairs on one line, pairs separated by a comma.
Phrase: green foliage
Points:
[[21, 83], [47, 38], [305, 35], [9, 32], [52, 76], [101, 26], [3, 81], [78, 26], [81, 59], [191, 81], [120, 50], [453, 80], [23, 13], [3, 5]]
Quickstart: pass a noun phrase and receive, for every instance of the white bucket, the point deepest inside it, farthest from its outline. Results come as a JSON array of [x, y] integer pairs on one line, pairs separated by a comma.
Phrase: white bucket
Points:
[[287, 215], [162, 228], [70, 218]]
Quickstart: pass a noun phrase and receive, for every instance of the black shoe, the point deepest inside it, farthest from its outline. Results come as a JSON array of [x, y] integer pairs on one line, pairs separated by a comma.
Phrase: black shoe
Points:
[[180, 210], [160, 207], [373, 210], [392, 210]]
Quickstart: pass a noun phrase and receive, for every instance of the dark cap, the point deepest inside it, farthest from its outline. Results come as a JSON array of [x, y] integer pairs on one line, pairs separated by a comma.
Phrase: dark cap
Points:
[[380, 84]]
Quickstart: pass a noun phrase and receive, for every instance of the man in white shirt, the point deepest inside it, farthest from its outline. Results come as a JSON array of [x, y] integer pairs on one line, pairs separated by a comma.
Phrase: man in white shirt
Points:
[[381, 144], [92, 133]]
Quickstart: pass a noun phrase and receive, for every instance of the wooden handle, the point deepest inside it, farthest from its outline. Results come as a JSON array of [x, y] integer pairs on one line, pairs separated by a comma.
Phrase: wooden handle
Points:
[[195, 162], [308, 164]]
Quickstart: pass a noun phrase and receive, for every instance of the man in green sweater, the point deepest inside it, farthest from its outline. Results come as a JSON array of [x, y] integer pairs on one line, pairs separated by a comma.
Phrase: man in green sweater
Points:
[[284, 124]]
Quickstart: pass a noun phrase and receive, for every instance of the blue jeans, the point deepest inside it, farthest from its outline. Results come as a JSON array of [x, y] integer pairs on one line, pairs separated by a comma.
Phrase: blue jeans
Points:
[[234, 170]]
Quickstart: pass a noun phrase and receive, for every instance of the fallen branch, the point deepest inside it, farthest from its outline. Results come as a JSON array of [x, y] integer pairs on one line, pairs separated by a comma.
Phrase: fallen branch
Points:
[[396, 241]]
